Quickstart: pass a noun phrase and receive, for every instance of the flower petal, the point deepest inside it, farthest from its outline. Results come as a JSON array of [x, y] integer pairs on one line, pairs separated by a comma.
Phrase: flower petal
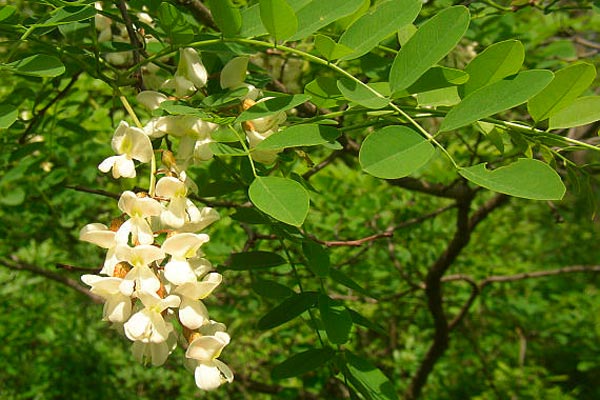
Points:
[[207, 376], [192, 313]]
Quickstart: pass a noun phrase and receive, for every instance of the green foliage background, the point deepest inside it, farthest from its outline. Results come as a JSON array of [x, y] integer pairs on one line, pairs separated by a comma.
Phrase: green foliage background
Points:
[[528, 339]]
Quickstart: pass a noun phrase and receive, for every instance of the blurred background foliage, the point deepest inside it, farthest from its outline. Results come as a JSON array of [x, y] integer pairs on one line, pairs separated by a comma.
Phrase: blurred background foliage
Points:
[[527, 339]]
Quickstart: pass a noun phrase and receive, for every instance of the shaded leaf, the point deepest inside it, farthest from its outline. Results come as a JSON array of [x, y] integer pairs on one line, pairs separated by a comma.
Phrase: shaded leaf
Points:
[[526, 178], [432, 42], [288, 309], [380, 22], [283, 199], [496, 97], [255, 260], [173, 22], [437, 78], [40, 65], [567, 85], [345, 280], [368, 379], [302, 363], [222, 149], [329, 48], [394, 152], [336, 319], [271, 289], [8, 115], [324, 92], [68, 14], [317, 257]]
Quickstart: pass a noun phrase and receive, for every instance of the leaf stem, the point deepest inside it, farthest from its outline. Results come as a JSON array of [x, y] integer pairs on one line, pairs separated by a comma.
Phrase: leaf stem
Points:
[[243, 143]]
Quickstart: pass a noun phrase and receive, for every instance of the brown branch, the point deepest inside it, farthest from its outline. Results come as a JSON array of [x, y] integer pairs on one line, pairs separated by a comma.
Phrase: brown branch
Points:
[[99, 192], [355, 242], [200, 12], [456, 191], [134, 40], [43, 111], [16, 264], [433, 281]]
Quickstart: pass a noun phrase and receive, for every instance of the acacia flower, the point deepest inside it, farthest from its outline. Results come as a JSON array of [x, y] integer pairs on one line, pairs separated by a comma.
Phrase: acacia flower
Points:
[[175, 191], [259, 129], [190, 74], [151, 99], [192, 312], [182, 246], [148, 324], [199, 218], [204, 350], [138, 208], [157, 353], [117, 306], [140, 278], [100, 235], [233, 75], [130, 143]]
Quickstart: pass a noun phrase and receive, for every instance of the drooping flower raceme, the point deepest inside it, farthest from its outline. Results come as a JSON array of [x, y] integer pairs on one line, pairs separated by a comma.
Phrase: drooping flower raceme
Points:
[[190, 75]]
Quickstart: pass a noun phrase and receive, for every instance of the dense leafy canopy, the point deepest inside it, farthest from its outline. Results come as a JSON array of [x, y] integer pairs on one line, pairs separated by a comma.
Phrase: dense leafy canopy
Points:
[[408, 192]]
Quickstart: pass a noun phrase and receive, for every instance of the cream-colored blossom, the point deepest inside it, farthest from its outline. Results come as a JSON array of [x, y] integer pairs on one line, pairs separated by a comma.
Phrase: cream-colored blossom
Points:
[[117, 306], [181, 247], [148, 324], [130, 143], [138, 209]]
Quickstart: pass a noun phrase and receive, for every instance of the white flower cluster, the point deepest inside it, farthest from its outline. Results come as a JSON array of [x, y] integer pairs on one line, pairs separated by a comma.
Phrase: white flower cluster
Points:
[[154, 275]]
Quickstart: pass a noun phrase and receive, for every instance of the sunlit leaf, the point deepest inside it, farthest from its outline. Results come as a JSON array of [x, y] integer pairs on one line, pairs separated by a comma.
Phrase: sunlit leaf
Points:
[[358, 93], [283, 199], [329, 48], [227, 16], [8, 115], [394, 152], [582, 111], [526, 178], [300, 135], [279, 18], [432, 42], [496, 62], [318, 13], [272, 106], [380, 22], [496, 97], [567, 85]]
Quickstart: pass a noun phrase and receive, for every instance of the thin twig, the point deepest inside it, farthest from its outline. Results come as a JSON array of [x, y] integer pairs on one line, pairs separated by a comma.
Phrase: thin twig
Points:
[[134, 40]]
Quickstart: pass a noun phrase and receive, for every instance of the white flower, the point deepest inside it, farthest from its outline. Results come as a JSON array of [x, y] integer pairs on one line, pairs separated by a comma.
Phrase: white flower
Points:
[[181, 247], [259, 129], [156, 352], [140, 278], [233, 75], [138, 208], [117, 306], [190, 75], [210, 373], [175, 191], [100, 235], [199, 218], [151, 99], [130, 143], [148, 325], [192, 312]]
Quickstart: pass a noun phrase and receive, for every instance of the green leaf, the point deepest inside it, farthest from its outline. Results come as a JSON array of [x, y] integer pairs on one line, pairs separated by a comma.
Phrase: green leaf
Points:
[[380, 22], [174, 24], [40, 65], [255, 260], [447, 96], [283, 199], [337, 320], [271, 289], [6, 13], [324, 92], [345, 280], [526, 178], [272, 106], [432, 42], [496, 62], [358, 93], [567, 85], [68, 14], [250, 216], [317, 257], [227, 16], [287, 310], [222, 149], [394, 152], [279, 18], [368, 379], [363, 321], [582, 111], [437, 78], [8, 115], [496, 97], [318, 13], [301, 363], [299, 135], [329, 48]]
